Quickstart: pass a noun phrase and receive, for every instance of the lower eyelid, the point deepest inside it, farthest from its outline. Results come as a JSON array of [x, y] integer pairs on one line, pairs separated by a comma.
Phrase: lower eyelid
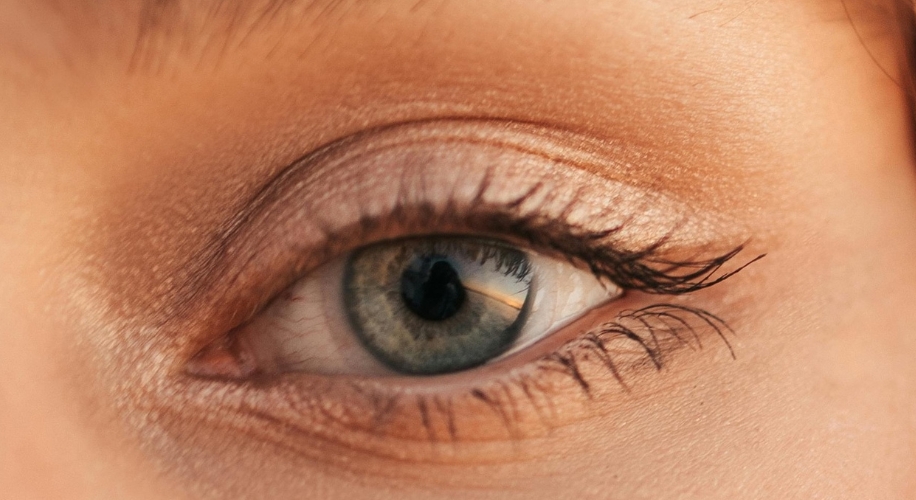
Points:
[[399, 418]]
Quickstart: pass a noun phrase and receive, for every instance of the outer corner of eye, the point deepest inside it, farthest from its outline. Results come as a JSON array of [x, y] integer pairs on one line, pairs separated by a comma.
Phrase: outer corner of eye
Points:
[[564, 293], [419, 306]]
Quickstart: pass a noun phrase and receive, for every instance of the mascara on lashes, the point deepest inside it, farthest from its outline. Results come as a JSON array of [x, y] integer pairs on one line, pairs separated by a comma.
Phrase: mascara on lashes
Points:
[[537, 209], [541, 202]]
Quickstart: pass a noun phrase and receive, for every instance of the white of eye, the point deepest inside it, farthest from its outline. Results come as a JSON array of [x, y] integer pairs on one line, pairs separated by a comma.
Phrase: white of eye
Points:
[[306, 328], [563, 294]]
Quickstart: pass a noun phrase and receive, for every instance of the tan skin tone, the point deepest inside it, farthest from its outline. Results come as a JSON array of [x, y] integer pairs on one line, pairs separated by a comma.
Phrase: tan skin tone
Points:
[[127, 154]]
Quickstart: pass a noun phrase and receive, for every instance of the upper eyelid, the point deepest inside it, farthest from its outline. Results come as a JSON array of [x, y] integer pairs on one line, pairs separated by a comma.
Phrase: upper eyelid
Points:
[[603, 158], [631, 163], [271, 192], [227, 279]]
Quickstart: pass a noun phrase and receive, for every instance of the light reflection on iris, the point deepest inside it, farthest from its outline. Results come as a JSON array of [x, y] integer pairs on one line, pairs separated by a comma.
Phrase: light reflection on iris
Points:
[[437, 305]]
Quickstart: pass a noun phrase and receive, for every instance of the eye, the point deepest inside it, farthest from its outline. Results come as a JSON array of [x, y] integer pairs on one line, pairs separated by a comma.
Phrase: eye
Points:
[[513, 252], [419, 306], [447, 286]]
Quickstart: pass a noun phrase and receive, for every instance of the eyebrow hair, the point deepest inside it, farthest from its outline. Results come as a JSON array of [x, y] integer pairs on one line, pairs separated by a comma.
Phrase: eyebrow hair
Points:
[[157, 14], [184, 23], [157, 29]]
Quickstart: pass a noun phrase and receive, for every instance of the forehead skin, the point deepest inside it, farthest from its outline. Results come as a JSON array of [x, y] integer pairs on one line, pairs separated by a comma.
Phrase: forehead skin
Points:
[[131, 131], [302, 73], [232, 91]]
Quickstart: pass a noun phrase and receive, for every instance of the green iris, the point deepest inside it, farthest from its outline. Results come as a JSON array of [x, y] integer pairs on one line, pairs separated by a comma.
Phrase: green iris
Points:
[[437, 305]]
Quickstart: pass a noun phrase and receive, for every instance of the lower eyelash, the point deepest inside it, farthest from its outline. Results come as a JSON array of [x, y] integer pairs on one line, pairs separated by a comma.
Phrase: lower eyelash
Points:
[[634, 341], [657, 330], [363, 428]]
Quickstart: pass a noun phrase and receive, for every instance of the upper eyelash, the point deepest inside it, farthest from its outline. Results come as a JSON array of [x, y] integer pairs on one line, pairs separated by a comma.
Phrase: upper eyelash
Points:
[[645, 270], [649, 269]]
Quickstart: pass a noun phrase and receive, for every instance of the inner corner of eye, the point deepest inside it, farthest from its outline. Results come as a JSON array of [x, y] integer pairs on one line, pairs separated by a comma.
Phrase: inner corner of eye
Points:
[[222, 359], [420, 306]]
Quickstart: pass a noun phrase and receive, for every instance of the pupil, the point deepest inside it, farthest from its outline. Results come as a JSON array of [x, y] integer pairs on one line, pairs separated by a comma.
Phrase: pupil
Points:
[[432, 289]]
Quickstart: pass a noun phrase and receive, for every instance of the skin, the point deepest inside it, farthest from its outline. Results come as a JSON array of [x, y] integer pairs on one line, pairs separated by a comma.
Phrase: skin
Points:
[[131, 136]]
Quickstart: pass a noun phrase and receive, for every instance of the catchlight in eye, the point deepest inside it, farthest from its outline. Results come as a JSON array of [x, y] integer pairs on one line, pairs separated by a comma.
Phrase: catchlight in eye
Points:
[[436, 306]]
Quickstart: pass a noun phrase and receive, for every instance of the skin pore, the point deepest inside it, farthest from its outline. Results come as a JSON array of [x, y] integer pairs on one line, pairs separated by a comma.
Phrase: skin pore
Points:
[[171, 167]]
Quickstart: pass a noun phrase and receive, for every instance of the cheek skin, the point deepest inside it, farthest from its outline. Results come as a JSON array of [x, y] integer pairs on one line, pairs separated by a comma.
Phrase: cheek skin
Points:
[[57, 436]]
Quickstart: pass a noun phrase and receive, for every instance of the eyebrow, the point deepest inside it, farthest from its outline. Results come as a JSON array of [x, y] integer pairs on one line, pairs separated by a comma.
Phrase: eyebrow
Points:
[[164, 25], [159, 15], [158, 28]]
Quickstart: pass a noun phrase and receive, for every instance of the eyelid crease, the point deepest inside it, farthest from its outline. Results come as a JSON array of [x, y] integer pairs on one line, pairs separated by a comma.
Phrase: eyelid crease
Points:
[[561, 148], [410, 212], [523, 218]]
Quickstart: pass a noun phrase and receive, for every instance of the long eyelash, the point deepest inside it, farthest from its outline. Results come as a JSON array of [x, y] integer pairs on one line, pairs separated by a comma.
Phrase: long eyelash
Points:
[[644, 270], [510, 263], [655, 331], [647, 269]]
